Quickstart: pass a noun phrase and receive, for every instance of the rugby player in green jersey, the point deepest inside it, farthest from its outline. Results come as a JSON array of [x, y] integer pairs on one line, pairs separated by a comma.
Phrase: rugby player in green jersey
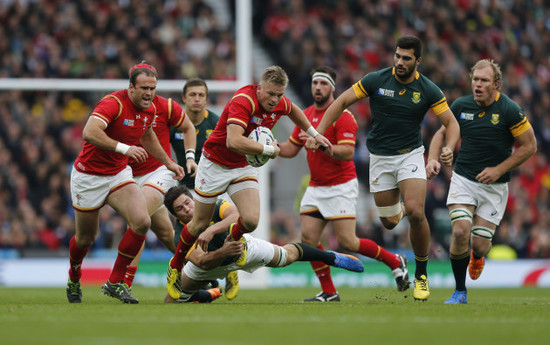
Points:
[[490, 124], [221, 255], [194, 96], [400, 97]]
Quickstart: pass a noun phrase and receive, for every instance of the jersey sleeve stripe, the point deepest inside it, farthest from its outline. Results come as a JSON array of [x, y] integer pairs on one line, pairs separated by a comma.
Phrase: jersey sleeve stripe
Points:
[[224, 205], [101, 117], [247, 97], [346, 142], [440, 107], [360, 92], [295, 142], [237, 122], [520, 128], [169, 108], [119, 105], [287, 106]]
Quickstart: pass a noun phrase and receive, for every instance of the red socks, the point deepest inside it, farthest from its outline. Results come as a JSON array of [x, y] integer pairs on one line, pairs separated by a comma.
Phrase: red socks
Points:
[[185, 243], [130, 274], [237, 230], [76, 256], [127, 250], [322, 271], [372, 250]]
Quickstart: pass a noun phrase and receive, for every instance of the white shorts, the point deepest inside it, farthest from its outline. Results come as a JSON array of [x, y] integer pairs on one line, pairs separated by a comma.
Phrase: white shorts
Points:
[[89, 192], [489, 199], [161, 179], [259, 253], [213, 180], [387, 171], [333, 202]]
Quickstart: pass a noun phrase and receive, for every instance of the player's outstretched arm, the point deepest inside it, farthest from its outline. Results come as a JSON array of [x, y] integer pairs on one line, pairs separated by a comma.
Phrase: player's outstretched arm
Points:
[[336, 109]]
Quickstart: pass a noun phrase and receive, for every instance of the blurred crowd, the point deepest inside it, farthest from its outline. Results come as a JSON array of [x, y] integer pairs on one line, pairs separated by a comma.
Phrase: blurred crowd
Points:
[[40, 132]]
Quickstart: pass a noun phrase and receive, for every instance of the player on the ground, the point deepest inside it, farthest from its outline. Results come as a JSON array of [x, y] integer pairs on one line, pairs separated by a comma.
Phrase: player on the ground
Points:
[[399, 98], [222, 254], [333, 188], [490, 124], [101, 175], [223, 166]]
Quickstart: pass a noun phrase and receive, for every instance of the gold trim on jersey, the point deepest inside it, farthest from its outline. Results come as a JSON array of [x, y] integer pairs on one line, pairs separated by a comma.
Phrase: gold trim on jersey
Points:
[[169, 108], [440, 106], [249, 99], [224, 205], [237, 121], [294, 141], [360, 92], [346, 142], [119, 106], [520, 128]]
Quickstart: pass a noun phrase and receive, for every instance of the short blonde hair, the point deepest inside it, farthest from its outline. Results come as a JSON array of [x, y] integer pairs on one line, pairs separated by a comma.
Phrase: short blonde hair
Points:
[[491, 63], [274, 75]]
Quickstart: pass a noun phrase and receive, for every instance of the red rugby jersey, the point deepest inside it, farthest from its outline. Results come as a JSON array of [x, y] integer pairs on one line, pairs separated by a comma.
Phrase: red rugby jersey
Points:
[[244, 110], [325, 170], [169, 114], [125, 123]]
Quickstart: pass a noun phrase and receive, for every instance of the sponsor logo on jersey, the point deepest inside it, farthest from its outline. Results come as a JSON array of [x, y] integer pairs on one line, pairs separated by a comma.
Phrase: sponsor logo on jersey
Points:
[[402, 92], [257, 120], [495, 119], [481, 114], [466, 116], [416, 97], [128, 122], [386, 92]]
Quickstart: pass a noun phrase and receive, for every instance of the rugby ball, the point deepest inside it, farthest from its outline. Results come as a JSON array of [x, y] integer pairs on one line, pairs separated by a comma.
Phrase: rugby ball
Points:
[[263, 136]]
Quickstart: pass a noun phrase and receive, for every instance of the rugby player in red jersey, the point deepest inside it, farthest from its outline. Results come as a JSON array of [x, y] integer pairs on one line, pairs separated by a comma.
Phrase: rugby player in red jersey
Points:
[[101, 175]]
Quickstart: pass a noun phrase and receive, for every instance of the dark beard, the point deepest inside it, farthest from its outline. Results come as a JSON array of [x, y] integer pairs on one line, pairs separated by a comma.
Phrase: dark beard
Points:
[[321, 101]]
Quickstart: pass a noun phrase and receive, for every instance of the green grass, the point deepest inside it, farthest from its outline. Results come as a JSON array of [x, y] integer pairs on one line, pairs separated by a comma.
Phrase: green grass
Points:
[[276, 316]]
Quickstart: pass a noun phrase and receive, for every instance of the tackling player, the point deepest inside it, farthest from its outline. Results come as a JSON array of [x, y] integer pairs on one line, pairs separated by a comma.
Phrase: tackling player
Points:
[[222, 254]]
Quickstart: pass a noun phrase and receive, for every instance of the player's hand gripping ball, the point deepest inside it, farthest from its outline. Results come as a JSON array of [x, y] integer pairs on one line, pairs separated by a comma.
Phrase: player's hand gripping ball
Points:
[[263, 136]]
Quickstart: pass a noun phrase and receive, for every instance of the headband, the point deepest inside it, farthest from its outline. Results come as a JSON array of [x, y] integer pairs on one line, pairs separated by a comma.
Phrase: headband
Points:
[[142, 65], [324, 76]]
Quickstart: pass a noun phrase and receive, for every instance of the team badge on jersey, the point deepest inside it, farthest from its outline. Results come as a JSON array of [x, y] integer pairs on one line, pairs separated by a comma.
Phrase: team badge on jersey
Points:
[[416, 97], [495, 119]]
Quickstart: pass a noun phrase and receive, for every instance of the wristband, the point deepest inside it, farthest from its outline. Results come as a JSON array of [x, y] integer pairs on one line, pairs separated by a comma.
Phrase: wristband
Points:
[[268, 150], [190, 154], [312, 131], [121, 148]]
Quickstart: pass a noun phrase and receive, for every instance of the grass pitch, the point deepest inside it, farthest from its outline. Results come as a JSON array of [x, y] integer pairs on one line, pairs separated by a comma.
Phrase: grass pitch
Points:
[[276, 316]]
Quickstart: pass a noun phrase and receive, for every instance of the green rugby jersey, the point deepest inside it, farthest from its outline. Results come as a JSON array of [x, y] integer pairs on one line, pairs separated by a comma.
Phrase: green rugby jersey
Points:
[[218, 239], [203, 132], [398, 110], [487, 134]]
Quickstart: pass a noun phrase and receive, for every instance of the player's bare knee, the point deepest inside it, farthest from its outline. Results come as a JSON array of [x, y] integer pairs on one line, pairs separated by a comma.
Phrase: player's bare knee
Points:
[[389, 223], [141, 225], [84, 241], [250, 223]]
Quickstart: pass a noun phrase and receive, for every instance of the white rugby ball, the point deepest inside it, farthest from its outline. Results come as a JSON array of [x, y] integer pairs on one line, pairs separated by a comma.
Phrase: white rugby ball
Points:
[[263, 136]]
